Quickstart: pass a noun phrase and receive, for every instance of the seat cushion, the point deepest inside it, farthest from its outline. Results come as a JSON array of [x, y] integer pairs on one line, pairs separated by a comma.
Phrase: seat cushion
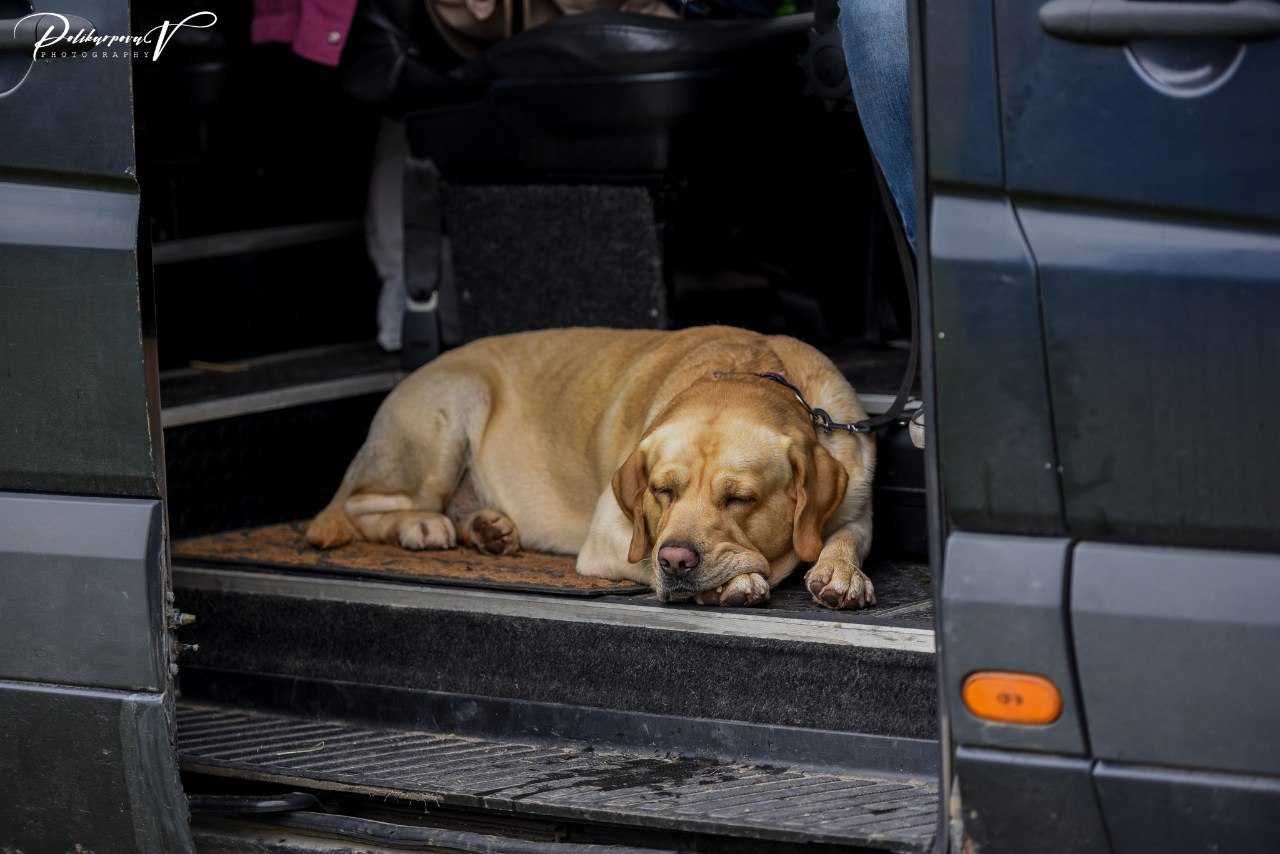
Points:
[[608, 42]]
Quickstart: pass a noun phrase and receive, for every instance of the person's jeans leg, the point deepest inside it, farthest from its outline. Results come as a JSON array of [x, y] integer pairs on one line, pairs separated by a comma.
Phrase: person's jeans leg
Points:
[[874, 36]]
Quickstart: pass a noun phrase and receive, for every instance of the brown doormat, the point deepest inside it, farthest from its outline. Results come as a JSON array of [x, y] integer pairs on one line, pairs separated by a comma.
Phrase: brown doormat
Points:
[[283, 546]]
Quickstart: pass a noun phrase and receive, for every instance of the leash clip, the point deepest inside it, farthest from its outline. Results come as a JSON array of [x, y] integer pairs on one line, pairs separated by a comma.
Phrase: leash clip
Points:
[[821, 419], [824, 421]]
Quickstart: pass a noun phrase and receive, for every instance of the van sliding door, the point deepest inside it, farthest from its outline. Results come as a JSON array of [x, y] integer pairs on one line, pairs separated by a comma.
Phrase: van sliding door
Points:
[[86, 760], [1140, 157]]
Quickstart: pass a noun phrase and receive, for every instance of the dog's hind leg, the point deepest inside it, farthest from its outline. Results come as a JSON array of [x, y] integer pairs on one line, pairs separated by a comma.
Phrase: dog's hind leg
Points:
[[409, 528], [479, 525], [396, 488]]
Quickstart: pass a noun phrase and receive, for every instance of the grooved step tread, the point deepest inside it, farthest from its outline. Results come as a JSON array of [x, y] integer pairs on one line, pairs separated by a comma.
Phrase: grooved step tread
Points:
[[563, 781]]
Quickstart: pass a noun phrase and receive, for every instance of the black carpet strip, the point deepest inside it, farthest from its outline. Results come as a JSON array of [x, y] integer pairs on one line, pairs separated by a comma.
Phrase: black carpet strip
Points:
[[756, 680]]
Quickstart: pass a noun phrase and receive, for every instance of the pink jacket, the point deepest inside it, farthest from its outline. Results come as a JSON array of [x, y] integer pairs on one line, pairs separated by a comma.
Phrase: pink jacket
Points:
[[317, 29]]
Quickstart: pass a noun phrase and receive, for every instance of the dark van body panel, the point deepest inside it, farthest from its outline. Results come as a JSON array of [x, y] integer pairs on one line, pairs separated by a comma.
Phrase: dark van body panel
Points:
[[1105, 301], [72, 372], [91, 557], [999, 469], [1199, 631], [1087, 122], [1163, 342], [73, 392], [88, 767]]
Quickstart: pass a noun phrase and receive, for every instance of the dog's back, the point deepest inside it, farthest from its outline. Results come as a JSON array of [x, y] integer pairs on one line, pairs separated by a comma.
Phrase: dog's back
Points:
[[566, 405]]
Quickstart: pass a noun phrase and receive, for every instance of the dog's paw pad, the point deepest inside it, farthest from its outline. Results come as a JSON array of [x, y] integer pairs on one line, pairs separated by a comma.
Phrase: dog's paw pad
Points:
[[816, 580], [840, 587], [710, 597], [745, 591], [741, 591], [494, 532], [431, 532]]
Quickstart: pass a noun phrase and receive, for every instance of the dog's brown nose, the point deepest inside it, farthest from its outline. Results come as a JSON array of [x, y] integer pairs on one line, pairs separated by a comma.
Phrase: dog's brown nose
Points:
[[677, 559]]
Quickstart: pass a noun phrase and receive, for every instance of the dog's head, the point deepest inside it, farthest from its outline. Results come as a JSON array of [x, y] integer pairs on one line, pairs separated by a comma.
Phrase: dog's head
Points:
[[730, 479]]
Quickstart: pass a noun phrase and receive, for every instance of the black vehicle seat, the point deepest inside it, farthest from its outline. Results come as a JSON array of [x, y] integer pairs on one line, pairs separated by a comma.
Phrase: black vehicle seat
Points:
[[610, 93], [530, 102], [611, 42], [586, 126]]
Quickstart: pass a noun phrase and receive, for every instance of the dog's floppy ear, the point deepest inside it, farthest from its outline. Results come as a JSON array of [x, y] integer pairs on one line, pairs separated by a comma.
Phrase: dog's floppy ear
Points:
[[629, 485], [819, 482]]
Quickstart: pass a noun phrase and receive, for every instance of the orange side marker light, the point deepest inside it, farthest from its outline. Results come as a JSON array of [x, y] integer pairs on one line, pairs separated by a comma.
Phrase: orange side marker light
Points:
[[1011, 698]]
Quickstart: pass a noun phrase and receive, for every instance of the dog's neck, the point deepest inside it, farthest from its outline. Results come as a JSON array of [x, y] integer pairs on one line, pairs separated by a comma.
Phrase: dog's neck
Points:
[[785, 398]]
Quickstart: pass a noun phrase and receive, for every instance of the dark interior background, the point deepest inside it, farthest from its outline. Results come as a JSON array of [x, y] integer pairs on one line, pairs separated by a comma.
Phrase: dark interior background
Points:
[[238, 139]]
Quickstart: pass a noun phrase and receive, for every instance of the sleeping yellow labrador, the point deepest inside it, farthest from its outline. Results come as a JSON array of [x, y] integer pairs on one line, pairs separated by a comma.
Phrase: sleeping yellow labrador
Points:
[[661, 457]]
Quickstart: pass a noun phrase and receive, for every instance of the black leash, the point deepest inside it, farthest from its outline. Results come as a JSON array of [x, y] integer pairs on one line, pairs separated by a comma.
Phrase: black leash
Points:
[[896, 413], [821, 419]]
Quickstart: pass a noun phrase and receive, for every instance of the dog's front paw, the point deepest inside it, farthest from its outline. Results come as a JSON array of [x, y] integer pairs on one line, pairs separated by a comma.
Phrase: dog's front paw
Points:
[[838, 584], [426, 531], [741, 591], [492, 532]]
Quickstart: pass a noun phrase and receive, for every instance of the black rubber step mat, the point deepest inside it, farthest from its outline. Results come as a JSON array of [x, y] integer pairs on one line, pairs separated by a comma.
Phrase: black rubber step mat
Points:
[[571, 782]]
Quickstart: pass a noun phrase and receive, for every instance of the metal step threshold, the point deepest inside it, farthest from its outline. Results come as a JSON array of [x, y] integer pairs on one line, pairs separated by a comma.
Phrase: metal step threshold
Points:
[[572, 782], [870, 629]]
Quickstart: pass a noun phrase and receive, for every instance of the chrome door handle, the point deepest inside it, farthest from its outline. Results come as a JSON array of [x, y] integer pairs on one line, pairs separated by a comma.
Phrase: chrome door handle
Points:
[[1119, 21]]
